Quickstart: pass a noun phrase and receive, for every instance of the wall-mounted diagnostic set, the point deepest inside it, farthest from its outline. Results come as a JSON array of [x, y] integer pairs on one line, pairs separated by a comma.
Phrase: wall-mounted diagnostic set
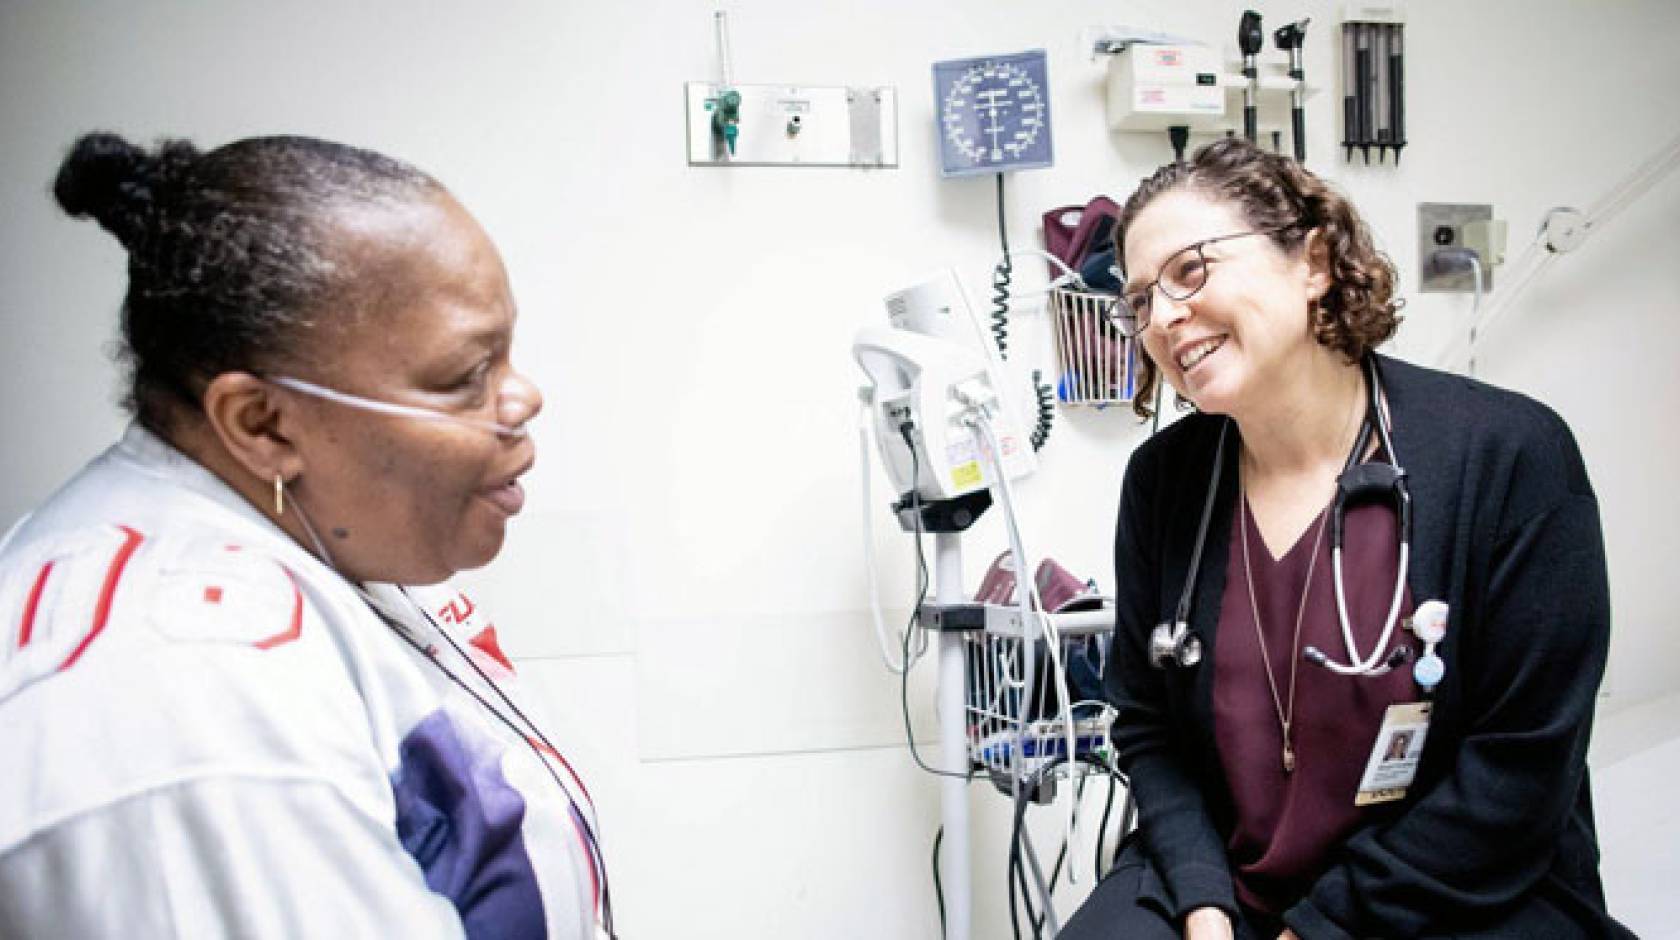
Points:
[[1158, 82]]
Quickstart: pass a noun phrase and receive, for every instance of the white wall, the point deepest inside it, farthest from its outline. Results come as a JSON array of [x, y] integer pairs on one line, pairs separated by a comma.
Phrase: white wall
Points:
[[686, 587]]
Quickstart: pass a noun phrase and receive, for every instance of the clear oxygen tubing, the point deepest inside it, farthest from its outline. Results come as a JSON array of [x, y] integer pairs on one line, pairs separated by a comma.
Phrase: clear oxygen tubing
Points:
[[1026, 593], [392, 408], [1541, 253], [881, 638]]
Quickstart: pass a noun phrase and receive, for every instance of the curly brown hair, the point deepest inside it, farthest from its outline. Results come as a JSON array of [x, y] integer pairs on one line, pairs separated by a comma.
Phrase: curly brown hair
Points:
[[1274, 192]]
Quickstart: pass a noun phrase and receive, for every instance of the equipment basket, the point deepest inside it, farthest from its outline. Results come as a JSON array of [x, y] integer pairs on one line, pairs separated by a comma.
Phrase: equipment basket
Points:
[[1016, 727], [1097, 364]]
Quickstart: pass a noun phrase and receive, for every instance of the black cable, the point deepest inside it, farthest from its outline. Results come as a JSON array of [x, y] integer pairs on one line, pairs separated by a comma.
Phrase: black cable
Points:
[[1002, 276], [938, 889], [1178, 135], [1061, 856], [1046, 410], [1017, 877], [1128, 821], [1017, 869], [1102, 828]]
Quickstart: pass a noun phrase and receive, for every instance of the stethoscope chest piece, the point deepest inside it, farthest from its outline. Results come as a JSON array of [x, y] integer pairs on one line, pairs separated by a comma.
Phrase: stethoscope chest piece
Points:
[[1174, 644]]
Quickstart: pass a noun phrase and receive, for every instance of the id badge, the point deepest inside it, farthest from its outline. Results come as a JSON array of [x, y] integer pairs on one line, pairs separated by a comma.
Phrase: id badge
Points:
[[1394, 757]]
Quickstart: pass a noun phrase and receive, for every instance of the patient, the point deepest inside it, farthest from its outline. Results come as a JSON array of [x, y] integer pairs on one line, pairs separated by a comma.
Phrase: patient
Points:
[[223, 713]]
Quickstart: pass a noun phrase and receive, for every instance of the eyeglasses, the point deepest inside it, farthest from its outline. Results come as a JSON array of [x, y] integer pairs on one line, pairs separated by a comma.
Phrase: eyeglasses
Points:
[[1184, 273]]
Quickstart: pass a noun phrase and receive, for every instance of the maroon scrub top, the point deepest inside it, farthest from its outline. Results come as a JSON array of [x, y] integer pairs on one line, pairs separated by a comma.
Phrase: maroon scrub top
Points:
[[1288, 826]]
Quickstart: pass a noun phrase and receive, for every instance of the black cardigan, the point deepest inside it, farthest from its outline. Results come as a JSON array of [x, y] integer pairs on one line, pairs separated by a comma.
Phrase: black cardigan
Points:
[[1499, 818]]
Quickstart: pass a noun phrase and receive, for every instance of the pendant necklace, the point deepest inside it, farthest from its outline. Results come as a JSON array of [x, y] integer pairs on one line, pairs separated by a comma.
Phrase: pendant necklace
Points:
[[1285, 713]]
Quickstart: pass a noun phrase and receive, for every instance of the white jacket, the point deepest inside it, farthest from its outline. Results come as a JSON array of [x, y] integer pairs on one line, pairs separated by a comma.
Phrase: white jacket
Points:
[[208, 733]]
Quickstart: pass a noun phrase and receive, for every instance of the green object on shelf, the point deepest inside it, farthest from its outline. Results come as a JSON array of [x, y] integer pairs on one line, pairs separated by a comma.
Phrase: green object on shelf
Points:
[[726, 118]]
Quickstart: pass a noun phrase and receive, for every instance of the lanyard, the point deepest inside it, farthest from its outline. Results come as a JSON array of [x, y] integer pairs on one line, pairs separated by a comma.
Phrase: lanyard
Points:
[[534, 738]]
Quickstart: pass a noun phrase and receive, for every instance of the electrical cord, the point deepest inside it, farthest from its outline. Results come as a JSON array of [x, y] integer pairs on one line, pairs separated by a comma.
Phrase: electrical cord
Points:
[[921, 597], [1002, 276], [1046, 410], [938, 889], [1061, 856], [1017, 872], [1028, 597], [1102, 827], [1178, 135], [881, 636]]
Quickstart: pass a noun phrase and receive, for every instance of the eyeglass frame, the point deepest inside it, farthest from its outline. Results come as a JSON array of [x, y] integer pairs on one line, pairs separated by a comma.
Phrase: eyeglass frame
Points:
[[1118, 307]]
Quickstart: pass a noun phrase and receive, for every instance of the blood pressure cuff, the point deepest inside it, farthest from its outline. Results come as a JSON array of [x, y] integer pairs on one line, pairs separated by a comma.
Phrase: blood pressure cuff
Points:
[[1073, 233]]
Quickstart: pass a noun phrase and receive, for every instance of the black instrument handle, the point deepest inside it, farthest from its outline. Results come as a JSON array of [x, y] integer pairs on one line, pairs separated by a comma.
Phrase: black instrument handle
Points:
[[1350, 124], [1397, 97], [1362, 69]]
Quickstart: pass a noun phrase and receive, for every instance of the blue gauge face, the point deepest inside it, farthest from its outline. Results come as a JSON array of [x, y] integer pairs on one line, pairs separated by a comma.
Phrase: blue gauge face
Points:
[[994, 113]]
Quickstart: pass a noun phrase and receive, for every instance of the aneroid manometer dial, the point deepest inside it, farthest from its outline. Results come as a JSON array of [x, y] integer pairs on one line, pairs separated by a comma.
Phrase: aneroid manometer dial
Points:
[[994, 113]]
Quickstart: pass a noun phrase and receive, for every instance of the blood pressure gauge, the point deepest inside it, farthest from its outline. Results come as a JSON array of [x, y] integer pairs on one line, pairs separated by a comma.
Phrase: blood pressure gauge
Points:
[[994, 113]]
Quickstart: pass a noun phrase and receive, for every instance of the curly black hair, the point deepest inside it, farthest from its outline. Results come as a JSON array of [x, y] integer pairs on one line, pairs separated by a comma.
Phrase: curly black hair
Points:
[[1274, 192], [231, 253]]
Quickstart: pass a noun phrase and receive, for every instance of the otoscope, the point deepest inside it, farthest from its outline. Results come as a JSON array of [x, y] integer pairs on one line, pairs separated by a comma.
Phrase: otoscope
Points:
[[1250, 39], [1289, 39]]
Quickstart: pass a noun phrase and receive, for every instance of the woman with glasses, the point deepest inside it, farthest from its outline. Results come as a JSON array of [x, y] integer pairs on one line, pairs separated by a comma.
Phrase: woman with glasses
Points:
[[1265, 670], [222, 712]]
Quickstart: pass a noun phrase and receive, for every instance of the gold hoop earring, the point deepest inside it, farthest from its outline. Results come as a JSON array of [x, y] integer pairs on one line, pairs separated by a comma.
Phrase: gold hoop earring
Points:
[[279, 495]]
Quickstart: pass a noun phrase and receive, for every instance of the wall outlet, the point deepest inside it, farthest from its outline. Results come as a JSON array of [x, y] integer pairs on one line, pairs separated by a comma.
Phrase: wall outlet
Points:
[[1441, 225]]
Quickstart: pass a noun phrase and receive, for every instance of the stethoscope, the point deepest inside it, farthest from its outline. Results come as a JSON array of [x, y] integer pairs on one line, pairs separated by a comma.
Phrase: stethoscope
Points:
[[1174, 643]]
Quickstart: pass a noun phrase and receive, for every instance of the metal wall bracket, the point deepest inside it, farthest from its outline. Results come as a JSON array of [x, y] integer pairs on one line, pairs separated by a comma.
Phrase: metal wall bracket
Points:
[[795, 125]]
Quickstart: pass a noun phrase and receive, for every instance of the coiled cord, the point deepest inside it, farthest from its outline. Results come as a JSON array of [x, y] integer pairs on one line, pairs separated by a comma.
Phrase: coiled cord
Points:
[[1046, 410], [1002, 276]]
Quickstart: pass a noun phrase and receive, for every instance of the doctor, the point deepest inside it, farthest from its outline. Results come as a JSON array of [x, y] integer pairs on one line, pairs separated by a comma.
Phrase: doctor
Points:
[[221, 712], [1367, 715]]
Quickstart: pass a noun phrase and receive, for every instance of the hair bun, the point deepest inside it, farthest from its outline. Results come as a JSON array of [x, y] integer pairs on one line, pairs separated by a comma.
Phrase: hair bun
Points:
[[117, 183]]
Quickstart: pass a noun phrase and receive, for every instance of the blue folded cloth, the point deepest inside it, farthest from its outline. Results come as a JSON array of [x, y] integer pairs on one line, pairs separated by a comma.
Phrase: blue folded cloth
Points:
[[1099, 272]]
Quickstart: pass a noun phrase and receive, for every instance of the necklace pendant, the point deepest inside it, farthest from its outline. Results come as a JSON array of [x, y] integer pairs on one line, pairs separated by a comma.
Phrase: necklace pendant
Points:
[[1288, 757]]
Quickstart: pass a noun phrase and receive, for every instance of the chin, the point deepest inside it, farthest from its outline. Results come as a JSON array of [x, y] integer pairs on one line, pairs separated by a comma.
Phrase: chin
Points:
[[1222, 394], [480, 551]]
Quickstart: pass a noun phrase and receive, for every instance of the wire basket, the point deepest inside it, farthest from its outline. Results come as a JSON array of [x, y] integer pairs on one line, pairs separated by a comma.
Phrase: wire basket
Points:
[[1097, 365], [1014, 732]]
